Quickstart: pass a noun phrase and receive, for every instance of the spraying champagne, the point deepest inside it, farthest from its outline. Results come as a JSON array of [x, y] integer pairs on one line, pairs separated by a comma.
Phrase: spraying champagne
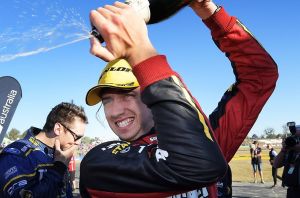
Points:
[[152, 11]]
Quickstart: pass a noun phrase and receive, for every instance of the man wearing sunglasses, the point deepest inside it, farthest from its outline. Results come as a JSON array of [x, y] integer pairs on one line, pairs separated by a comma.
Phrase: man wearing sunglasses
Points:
[[36, 166]]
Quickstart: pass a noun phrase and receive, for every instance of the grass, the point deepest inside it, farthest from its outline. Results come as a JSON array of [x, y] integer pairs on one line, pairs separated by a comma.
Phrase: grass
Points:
[[242, 169]]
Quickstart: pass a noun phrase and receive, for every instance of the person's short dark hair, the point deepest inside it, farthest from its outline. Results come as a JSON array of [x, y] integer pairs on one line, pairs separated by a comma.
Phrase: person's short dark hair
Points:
[[255, 142], [64, 113]]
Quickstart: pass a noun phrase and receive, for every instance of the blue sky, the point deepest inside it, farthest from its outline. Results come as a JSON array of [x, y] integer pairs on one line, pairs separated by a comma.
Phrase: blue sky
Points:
[[67, 72]]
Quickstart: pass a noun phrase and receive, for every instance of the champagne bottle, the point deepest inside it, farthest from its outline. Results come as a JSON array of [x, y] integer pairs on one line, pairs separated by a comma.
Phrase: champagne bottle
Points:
[[152, 11]]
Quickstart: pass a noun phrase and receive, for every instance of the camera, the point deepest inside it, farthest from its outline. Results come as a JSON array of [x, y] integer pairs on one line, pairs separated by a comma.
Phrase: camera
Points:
[[292, 140]]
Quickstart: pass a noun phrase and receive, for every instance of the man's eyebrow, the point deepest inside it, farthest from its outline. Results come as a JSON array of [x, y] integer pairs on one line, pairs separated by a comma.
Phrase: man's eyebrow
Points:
[[105, 97]]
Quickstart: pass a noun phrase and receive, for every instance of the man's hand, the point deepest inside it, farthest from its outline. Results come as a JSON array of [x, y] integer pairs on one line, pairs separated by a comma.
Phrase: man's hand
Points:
[[65, 155], [124, 32], [203, 8]]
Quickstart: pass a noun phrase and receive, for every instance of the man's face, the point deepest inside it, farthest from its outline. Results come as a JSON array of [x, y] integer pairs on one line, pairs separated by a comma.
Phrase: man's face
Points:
[[127, 115], [72, 133]]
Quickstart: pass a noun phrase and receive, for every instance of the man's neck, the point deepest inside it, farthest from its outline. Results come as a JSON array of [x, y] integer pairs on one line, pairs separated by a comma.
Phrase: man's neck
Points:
[[46, 138]]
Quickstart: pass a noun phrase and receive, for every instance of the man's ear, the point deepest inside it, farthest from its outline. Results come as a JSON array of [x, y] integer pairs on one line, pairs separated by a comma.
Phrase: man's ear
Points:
[[57, 129]]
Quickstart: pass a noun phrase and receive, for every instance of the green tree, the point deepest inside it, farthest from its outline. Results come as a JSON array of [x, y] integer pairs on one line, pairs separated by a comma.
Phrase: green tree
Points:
[[279, 136], [270, 133], [254, 136], [13, 134], [23, 135], [86, 140]]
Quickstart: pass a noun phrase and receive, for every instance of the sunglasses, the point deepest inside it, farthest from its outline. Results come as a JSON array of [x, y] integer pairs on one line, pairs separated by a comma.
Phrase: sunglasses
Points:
[[75, 136]]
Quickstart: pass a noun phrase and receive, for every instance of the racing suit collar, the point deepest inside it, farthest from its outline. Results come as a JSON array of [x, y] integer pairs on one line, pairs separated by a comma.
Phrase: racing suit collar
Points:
[[148, 138], [35, 143]]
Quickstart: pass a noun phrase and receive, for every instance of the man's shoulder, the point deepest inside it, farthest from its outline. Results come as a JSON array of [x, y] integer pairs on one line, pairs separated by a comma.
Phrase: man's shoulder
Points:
[[12, 156], [17, 148]]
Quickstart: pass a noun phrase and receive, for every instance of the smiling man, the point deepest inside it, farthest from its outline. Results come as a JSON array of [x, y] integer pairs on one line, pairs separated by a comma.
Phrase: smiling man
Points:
[[133, 122], [36, 166], [167, 145], [119, 91]]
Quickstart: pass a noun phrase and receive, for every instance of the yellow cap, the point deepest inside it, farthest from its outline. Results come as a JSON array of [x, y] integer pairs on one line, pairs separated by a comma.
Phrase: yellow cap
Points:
[[117, 74]]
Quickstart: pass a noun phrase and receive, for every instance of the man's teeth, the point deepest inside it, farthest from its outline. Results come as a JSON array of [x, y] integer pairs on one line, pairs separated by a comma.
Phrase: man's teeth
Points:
[[124, 123]]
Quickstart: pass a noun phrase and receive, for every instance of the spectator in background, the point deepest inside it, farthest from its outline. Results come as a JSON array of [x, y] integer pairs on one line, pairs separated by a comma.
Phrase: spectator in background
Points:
[[252, 147], [36, 165], [272, 155], [289, 158], [256, 161], [72, 171]]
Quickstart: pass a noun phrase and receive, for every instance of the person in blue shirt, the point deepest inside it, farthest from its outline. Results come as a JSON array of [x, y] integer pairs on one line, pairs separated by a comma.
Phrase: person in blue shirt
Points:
[[36, 166]]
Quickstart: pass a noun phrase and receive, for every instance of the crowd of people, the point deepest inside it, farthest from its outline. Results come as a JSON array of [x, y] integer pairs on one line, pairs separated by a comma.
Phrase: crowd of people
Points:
[[83, 148], [288, 158]]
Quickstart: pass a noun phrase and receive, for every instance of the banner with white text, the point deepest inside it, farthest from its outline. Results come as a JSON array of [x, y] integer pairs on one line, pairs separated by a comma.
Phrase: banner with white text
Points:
[[10, 95]]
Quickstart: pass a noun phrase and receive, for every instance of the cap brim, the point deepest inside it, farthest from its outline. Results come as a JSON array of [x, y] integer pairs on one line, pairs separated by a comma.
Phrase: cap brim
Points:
[[93, 95]]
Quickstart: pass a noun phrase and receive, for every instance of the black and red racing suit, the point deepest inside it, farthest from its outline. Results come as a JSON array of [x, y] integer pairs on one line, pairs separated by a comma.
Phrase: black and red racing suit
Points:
[[181, 152]]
